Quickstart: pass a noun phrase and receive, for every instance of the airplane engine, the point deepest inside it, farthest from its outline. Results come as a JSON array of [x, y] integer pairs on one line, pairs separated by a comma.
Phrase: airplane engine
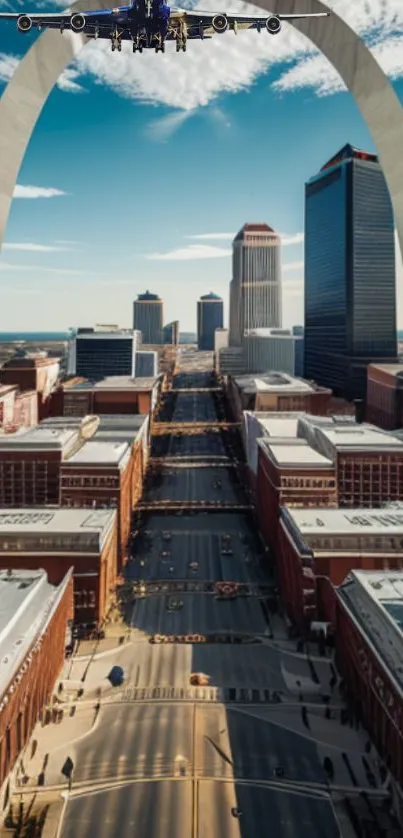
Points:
[[273, 25], [220, 23], [24, 23], [77, 22]]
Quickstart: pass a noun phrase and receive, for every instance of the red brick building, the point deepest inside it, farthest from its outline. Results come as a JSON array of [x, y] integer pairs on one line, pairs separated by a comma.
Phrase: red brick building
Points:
[[17, 409], [101, 476], [291, 474], [368, 461], [33, 371], [369, 646], [58, 539], [384, 406], [33, 620], [276, 392], [118, 394], [330, 543], [30, 465]]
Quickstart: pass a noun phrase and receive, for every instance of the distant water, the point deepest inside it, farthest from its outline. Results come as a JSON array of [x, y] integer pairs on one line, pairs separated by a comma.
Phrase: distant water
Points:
[[37, 337]]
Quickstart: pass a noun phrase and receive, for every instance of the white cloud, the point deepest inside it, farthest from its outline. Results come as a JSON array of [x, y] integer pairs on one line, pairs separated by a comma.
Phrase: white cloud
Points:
[[229, 63], [192, 251], [36, 192], [68, 81], [292, 266], [13, 266], [8, 64], [160, 130], [33, 247], [286, 238]]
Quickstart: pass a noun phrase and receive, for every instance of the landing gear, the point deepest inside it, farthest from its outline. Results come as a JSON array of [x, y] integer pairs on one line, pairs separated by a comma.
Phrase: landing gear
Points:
[[181, 44], [116, 42]]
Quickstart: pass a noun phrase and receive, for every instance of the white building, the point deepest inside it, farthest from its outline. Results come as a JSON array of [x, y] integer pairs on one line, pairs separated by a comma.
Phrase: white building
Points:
[[96, 354], [255, 294], [273, 349], [221, 338]]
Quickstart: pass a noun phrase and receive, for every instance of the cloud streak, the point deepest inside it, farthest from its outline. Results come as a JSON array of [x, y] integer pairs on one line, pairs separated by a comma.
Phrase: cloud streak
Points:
[[32, 192], [31, 247], [191, 252], [287, 240]]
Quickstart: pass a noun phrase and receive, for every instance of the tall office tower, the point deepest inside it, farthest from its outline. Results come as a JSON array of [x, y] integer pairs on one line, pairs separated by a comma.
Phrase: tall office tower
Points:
[[210, 316], [148, 317], [99, 354], [171, 333], [350, 294], [255, 294]]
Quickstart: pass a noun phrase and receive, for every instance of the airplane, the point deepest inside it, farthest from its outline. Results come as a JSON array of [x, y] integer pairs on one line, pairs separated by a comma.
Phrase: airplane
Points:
[[149, 23]]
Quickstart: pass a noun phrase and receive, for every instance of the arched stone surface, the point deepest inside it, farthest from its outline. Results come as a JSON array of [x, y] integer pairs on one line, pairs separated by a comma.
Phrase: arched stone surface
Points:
[[37, 73]]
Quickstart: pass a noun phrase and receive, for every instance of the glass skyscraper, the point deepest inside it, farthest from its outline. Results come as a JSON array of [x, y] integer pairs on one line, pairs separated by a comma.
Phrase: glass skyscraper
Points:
[[350, 294], [210, 316]]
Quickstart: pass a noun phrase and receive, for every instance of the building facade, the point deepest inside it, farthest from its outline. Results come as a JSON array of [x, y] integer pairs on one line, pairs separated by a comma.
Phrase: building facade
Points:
[[148, 317], [291, 474], [273, 350], [171, 333], [255, 293], [210, 316], [58, 539], [146, 364], [369, 650], [277, 392], [350, 293], [330, 543], [30, 465], [384, 405], [33, 623], [118, 394], [99, 354]]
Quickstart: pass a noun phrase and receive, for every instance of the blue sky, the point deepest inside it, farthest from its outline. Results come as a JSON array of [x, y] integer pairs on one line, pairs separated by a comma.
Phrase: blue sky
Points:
[[161, 159]]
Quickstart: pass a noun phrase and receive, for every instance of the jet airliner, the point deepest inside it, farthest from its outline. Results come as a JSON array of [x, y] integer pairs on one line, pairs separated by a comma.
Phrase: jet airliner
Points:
[[147, 24]]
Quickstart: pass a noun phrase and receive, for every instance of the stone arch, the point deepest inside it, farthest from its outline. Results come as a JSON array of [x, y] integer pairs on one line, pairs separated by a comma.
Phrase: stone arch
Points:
[[37, 73]]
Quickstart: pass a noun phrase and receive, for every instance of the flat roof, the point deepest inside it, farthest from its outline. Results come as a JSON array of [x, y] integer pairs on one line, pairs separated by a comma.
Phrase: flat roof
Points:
[[301, 456], [393, 369], [123, 382], [92, 524], [66, 421], [101, 452], [40, 437], [374, 600], [111, 335], [121, 421], [311, 521], [272, 382], [27, 602], [276, 424], [344, 433]]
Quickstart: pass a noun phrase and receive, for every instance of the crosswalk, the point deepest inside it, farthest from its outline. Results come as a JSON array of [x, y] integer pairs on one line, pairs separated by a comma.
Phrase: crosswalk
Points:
[[222, 695]]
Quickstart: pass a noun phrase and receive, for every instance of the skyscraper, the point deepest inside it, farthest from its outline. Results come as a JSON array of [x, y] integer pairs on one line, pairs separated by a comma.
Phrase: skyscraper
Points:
[[255, 292], [350, 295], [210, 316], [171, 333], [148, 317]]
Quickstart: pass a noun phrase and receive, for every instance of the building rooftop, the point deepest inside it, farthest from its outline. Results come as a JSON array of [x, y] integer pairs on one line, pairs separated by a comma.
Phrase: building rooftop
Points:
[[375, 603], [148, 297], [41, 437], [254, 228], [275, 424], [101, 452], [122, 334], [299, 456], [273, 382], [125, 382], [271, 333], [330, 434], [211, 296], [393, 369], [27, 603], [89, 528], [374, 522], [7, 388]]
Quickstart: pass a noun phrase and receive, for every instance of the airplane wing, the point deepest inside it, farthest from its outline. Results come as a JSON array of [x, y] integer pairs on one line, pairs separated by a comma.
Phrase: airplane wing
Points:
[[86, 21], [210, 22]]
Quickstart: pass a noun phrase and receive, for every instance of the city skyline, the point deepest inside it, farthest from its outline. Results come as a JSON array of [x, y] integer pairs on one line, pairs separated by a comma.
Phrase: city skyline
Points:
[[57, 271]]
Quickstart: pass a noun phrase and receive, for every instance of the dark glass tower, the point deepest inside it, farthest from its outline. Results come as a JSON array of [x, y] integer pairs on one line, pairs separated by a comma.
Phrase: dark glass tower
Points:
[[350, 272], [148, 317], [210, 316]]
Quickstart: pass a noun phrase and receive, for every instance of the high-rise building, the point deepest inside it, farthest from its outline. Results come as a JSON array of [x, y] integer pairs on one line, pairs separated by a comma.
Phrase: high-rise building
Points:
[[350, 294], [255, 292], [171, 333], [148, 317], [99, 354], [210, 316]]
